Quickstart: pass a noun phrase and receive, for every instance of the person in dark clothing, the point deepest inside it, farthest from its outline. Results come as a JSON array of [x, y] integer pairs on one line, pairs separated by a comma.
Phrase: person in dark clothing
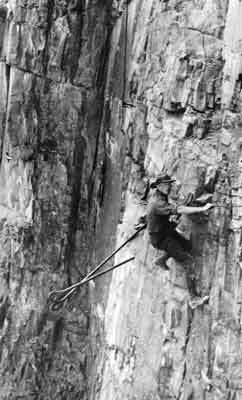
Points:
[[162, 231]]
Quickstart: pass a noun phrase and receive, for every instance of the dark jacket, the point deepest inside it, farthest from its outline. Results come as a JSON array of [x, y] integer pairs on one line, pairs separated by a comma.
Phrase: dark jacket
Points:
[[159, 212]]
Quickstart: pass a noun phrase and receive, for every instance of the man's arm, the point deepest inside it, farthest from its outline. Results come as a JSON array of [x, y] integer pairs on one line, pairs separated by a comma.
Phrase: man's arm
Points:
[[188, 210], [166, 210]]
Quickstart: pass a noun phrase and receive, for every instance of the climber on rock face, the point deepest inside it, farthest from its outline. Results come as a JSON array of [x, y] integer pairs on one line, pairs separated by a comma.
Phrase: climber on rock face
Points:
[[162, 231]]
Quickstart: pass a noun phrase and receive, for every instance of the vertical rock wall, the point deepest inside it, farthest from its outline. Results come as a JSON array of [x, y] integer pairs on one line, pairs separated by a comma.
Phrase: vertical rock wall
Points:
[[96, 98], [183, 63], [53, 63]]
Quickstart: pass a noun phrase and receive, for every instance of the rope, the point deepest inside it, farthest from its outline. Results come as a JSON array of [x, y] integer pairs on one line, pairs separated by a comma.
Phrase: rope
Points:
[[58, 297]]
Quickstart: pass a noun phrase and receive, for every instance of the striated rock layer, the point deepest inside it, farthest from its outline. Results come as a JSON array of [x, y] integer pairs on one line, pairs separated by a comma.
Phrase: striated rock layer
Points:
[[98, 97], [184, 80], [53, 63]]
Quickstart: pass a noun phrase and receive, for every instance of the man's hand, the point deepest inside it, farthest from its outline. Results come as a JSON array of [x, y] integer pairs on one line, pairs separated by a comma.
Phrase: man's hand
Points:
[[208, 206]]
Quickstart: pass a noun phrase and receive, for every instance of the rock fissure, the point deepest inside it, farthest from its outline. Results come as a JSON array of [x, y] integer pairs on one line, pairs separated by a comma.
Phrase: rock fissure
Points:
[[5, 116], [76, 178], [50, 10], [47, 77], [104, 111], [200, 31]]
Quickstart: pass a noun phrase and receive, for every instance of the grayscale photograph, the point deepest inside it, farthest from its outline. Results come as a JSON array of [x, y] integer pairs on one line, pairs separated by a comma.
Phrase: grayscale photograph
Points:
[[120, 199]]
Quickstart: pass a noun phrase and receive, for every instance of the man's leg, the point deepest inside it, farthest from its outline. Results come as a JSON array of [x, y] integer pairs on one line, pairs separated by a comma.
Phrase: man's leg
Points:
[[174, 248], [156, 242], [186, 244]]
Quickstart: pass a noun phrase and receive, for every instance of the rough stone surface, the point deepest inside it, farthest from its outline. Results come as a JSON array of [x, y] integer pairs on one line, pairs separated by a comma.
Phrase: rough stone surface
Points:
[[53, 63], [74, 171], [183, 67]]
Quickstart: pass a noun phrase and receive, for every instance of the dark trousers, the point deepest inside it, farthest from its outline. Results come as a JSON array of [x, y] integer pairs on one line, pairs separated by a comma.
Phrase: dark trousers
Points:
[[178, 247], [173, 243]]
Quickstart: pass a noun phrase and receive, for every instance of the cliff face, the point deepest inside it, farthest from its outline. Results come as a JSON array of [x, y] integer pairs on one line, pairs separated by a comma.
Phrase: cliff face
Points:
[[74, 169], [53, 66], [183, 79]]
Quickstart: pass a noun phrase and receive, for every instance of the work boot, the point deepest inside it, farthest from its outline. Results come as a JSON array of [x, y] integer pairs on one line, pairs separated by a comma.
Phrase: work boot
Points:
[[196, 301]]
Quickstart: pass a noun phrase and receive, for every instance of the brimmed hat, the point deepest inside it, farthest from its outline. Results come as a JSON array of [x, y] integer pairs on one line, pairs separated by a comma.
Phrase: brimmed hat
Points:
[[165, 178]]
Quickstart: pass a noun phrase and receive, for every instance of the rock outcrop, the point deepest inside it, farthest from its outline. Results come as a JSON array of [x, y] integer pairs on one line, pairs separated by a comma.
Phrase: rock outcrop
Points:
[[53, 67], [97, 98]]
